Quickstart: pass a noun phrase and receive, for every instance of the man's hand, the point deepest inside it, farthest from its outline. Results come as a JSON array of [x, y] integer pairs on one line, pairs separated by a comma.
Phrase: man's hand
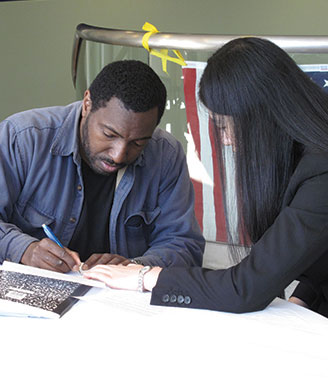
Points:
[[48, 255], [105, 259]]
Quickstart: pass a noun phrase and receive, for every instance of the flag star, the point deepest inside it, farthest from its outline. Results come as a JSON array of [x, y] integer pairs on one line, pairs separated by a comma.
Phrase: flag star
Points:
[[326, 83]]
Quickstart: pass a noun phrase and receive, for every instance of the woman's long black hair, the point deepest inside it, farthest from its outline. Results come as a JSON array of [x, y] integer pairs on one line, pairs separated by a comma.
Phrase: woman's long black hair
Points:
[[278, 113]]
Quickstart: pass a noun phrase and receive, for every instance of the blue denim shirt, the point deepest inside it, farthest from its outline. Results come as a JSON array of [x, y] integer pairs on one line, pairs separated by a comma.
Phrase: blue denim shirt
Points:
[[152, 216]]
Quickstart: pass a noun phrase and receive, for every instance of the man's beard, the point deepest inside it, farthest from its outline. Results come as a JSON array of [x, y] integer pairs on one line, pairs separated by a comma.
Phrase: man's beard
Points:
[[89, 157]]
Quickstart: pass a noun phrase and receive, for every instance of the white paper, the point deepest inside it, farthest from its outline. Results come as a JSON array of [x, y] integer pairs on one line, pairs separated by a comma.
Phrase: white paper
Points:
[[70, 276], [122, 300]]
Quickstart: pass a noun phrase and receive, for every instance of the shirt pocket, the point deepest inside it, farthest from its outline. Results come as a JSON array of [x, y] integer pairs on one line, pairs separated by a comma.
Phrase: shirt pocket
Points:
[[30, 220], [138, 227]]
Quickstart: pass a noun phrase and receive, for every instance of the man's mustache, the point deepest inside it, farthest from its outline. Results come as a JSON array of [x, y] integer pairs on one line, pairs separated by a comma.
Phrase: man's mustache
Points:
[[112, 163]]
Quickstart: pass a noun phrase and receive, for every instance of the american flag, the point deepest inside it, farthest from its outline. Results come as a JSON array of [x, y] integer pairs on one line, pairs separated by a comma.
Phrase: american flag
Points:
[[318, 73], [202, 160]]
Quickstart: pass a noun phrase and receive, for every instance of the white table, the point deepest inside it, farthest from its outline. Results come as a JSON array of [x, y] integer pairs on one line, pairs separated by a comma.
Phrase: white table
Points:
[[122, 340]]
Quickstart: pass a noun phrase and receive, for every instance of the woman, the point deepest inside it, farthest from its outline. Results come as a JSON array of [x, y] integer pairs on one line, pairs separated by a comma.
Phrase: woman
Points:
[[276, 120]]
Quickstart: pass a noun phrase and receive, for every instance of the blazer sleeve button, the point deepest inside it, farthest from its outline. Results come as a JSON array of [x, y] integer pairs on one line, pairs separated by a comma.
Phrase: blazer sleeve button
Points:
[[187, 300], [180, 299], [173, 298], [165, 298]]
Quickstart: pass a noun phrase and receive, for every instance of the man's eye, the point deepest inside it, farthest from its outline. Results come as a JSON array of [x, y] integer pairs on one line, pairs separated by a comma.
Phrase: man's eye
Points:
[[108, 135], [140, 143]]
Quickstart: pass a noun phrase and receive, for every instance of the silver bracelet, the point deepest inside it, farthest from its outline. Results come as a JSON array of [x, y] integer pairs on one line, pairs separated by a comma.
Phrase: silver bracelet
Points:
[[141, 275]]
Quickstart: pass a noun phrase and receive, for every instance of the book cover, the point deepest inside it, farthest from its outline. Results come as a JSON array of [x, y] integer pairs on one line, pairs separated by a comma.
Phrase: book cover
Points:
[[30, 295]]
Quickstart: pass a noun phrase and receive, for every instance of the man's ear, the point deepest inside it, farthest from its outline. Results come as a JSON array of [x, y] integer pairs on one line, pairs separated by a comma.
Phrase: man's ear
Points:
[[87, 104]]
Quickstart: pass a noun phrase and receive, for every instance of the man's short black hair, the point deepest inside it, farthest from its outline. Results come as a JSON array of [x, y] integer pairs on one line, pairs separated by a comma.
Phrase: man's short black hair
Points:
[[133, 82]]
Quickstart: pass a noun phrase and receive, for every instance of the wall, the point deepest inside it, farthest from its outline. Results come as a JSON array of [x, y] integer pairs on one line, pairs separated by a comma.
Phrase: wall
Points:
[[36, 36]]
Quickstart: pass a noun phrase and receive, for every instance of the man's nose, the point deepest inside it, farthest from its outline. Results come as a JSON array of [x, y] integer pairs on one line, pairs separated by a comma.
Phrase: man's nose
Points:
[[119, 153]]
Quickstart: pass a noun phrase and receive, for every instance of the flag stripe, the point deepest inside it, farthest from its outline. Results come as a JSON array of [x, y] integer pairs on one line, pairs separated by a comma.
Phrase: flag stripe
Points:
[[193, 125], [205, 155]]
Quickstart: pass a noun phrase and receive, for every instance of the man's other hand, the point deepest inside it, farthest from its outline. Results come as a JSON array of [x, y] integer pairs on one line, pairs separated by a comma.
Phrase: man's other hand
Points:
[[105, 259]]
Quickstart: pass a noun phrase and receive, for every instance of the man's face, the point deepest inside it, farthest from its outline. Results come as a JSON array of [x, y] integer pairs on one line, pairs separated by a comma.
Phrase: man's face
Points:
[[113, 137]]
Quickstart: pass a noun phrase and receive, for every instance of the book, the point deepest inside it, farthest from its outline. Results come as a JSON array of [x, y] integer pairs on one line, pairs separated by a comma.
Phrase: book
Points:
[[30, 294]]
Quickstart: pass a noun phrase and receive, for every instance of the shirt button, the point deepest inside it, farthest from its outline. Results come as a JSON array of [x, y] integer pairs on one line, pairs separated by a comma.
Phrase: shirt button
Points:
[[72, 220], [180, 299], [187, 300], [173, 298], [79, 187], [165, 298]]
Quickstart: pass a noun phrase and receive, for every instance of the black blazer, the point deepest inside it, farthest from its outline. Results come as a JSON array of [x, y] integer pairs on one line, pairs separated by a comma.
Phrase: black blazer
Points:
[[294, 247]]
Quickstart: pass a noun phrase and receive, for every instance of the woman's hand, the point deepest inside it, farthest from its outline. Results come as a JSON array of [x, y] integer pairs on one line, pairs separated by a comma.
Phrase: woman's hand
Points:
[[123, 277], [295, 300]]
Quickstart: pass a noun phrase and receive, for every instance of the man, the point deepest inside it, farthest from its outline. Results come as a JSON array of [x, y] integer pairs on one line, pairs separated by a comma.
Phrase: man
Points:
[[109, 184]]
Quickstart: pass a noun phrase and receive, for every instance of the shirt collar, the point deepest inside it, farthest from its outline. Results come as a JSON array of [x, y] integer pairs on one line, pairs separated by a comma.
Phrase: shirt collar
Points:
[[66, 142]]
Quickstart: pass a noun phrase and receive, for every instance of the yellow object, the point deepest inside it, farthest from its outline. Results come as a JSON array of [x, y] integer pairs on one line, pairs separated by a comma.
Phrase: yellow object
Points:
[[163, 53]]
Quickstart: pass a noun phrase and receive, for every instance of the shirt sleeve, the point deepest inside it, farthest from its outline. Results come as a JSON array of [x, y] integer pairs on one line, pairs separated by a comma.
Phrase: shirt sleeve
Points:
[[176, 238], [13, 242], [294, 242]]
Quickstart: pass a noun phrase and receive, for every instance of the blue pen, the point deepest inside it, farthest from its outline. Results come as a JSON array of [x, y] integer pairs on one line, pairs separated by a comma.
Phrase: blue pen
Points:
[[51, 235]]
